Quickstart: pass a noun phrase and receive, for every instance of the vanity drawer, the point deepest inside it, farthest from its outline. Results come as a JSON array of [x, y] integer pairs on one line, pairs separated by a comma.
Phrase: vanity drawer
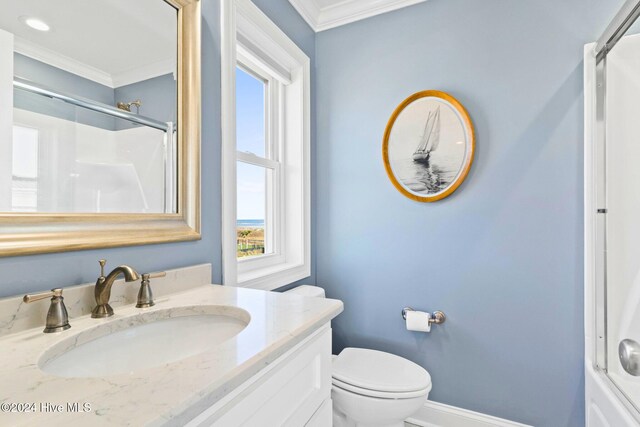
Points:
[[290, 394]]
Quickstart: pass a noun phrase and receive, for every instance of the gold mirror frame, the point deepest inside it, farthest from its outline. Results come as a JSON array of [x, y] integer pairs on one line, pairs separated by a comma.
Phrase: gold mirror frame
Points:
[[32, 233], [466, 166]]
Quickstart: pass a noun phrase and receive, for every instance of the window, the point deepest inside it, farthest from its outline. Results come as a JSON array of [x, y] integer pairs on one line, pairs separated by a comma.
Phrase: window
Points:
[[256, 165], [24, 176], [265, 161]]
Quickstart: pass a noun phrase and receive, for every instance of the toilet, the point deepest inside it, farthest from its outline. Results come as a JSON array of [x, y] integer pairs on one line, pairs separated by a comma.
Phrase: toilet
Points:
[[372, 388]]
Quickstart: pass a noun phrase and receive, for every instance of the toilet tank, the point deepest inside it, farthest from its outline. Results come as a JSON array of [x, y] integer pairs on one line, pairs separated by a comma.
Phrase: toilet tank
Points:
[[307, 291]]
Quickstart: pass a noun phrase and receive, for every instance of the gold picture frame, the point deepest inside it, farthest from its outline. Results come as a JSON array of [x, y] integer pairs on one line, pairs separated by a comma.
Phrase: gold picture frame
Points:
[[33, 233], [428, 174]]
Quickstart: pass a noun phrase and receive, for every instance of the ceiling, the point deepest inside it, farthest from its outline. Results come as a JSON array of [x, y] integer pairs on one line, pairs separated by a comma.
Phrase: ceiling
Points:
[[325, 14], [114, 42]]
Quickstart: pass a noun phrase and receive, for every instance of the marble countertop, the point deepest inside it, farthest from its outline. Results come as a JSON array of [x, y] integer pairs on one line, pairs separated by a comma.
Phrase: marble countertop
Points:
[[166, 395]]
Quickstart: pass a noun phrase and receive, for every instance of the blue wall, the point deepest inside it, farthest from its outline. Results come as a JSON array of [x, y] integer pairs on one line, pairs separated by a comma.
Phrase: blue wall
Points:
[[158, 95], [47, 75], [65, 81], [502, 257], [19, 275]]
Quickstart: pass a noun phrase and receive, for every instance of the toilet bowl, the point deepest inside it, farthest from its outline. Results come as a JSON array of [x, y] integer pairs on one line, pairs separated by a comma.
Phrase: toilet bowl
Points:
[[372, 388]]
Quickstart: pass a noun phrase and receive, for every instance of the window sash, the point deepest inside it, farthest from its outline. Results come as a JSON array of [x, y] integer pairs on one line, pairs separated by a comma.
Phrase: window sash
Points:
[[274, 241], [256, 160], [274, 209], [273, 99]]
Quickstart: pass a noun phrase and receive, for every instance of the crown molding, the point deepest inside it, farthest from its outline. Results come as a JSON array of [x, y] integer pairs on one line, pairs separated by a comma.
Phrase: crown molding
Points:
[[42, 54], [50, 57], [309, 11], [149, 71], [345, 12]]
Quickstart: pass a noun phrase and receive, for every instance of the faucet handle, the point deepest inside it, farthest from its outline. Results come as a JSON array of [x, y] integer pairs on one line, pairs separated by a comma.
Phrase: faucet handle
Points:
[[145, 295], [147, 276], [102, 263], [57, 316], [29, 298]]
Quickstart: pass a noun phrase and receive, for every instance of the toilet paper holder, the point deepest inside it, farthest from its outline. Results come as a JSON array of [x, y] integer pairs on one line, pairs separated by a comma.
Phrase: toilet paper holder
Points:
[[437, 317]]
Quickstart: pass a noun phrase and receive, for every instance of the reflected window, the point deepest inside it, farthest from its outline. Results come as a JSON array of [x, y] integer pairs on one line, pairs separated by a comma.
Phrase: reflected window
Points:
[[24, 177]]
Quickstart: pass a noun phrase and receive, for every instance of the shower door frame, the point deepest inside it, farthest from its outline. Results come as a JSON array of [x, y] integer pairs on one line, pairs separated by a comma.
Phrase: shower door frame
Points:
[[596, 200]]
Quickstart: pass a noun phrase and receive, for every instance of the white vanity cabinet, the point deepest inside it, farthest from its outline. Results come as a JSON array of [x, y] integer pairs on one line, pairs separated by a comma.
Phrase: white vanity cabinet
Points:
[[293, 391], [275, 371]]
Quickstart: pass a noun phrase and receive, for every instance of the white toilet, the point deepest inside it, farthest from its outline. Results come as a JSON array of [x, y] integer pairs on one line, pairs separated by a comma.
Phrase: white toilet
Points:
[[373, 388]]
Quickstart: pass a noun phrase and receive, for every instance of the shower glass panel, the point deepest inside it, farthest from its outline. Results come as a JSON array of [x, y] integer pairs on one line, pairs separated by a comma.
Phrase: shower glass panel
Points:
[[69, 159], [618, 236]]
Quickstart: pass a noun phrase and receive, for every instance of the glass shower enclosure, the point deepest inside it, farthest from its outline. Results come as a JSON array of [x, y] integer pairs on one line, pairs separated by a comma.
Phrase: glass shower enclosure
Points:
[[612, 218]]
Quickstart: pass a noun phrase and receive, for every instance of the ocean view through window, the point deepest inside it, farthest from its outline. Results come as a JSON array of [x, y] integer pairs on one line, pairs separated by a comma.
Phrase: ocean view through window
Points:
[[266, 198], [253, 179], [250, 237]]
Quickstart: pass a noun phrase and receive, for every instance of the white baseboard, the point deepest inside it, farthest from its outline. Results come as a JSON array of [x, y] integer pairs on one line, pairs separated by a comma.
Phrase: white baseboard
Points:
[[434, 414]]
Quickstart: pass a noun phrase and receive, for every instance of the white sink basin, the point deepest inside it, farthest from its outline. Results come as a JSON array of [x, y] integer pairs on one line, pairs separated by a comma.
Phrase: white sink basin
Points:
[[143, 341]]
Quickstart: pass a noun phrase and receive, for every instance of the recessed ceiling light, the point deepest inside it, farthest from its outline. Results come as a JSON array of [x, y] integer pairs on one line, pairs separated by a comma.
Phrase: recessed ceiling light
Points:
[[35, 23]]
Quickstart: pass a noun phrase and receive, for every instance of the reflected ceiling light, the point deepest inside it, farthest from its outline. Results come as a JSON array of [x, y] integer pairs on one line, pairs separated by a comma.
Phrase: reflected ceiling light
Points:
[[35, 23]]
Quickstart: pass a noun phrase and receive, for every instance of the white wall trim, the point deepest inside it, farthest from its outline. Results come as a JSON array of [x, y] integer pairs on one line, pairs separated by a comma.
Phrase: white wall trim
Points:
[[228, 116], [434, 414], [345, 12], [42, 54], [589, 203]]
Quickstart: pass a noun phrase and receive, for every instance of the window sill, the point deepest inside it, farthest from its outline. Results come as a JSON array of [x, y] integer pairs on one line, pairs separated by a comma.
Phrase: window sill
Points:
[[251, 264], [273, 277]]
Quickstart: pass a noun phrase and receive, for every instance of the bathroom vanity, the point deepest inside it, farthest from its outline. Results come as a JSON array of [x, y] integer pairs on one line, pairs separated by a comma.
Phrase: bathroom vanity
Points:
[[203, 355]]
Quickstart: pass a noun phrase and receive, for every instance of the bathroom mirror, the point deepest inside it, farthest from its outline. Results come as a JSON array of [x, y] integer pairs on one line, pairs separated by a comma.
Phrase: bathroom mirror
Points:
[[99, 123]]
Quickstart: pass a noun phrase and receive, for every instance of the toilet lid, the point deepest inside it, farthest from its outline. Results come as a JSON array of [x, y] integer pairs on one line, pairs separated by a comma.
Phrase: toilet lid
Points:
[[380, 371], [379, 394]]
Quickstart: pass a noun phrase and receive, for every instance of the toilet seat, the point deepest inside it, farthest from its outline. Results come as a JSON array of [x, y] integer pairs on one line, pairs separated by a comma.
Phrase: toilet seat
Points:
[[378, 374], [380, 394]]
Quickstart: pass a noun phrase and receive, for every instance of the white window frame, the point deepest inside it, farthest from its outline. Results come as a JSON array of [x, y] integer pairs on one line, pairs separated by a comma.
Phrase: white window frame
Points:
[[250, 38], [274, 233]]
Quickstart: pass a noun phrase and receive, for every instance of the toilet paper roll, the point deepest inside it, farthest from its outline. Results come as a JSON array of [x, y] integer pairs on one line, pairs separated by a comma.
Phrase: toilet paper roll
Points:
[[418, 321]]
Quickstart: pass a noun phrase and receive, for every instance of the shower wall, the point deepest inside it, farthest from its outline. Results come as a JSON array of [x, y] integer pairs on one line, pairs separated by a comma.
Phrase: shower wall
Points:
[[623, 206], [63, 166]]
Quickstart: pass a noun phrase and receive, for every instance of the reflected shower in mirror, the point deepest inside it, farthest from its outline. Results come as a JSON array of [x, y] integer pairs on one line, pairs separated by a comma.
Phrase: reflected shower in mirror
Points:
[[88, 96]]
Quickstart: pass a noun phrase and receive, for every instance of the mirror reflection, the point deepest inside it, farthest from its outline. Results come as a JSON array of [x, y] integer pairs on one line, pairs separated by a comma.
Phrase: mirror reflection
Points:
[[89, 106]]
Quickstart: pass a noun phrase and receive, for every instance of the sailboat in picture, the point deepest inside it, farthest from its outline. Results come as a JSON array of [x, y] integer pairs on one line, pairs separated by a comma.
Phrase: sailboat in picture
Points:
[[430, 138]]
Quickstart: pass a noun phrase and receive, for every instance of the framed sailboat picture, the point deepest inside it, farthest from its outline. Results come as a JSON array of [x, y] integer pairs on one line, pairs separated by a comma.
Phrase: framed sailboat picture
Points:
[[428, 146]]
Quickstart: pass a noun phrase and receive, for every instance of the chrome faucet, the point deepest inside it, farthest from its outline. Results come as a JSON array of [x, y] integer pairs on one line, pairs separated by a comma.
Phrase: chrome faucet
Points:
[[103, 288]]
